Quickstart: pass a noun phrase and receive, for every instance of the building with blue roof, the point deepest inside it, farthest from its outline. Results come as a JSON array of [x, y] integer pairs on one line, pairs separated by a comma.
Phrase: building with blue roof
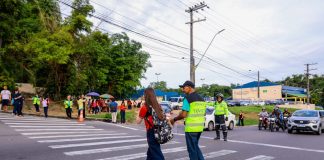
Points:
[[268, 91]]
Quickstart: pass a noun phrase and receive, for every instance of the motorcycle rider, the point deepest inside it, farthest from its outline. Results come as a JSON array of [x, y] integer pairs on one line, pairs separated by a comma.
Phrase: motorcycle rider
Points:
[[278, 114], [286, 113], [221, 115], [264, 115]]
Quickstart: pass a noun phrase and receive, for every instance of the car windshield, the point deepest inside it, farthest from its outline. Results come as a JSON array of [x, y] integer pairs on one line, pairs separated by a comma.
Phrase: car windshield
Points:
[[305, 114], [174, 99], [209, 111]]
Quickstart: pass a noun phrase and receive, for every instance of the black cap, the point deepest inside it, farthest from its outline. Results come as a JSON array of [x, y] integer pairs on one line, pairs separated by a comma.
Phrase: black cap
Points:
[[187, 83]]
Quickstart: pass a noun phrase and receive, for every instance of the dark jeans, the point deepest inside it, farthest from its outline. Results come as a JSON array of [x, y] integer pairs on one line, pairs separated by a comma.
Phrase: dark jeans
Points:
[[36, 107], [45, 111], [122, 117], [19, 109], [68, 112], [192, 140], [154, 149], [240, 122], [15, 109]]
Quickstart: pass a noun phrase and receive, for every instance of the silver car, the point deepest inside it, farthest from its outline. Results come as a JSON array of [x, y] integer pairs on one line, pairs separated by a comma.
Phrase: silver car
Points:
[[306, 120]]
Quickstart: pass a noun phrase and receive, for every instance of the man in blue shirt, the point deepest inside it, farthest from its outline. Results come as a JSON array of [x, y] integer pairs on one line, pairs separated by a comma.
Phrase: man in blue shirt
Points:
[[113, 109]]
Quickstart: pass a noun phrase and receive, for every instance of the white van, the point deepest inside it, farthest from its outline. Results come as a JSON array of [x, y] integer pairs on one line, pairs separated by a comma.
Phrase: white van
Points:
[[176, 102]]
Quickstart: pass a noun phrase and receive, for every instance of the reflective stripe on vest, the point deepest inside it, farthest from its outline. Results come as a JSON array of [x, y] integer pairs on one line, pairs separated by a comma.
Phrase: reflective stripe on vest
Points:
[[196, 117], [221, 108]]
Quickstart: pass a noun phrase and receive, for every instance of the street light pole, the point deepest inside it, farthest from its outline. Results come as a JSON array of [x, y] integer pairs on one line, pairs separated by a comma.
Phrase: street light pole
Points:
[[157, 77]]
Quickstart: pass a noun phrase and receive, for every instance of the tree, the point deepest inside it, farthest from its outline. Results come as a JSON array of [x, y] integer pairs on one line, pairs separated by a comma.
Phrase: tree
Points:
[[161, 85]]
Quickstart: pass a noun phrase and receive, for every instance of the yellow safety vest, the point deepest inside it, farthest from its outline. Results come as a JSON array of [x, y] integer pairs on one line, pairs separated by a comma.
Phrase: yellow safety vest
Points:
[[196, 117], [68, 103], [36, 100], [221, 109]]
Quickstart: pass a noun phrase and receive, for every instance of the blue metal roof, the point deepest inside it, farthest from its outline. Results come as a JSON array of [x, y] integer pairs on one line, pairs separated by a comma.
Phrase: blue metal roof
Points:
[[158, 93], [255, 84]]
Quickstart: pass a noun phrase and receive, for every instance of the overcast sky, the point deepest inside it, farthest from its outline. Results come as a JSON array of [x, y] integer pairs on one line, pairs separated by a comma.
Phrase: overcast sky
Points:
[[275, 37]]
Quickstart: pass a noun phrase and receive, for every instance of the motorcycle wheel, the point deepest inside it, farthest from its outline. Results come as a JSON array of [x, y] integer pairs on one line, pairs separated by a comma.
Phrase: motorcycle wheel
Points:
[[277, 129], [260, 127], [271, 128]]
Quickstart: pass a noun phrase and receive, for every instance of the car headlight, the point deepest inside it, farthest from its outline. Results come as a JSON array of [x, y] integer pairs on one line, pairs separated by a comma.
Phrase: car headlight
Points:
[[313, 121]]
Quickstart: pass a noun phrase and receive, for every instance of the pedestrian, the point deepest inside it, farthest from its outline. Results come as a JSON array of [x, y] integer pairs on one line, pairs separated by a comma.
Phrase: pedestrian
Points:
[[36, 102], [122, 113], [241, 119], [84, 105], [113, 110], [68, 103], [89, 105], [5, 98], [17, 103], [154, 148], [80, 105], [139, 104], [94, 106], [45, 106], [193, 111], [221, 115], [129, 104], [134, 104]]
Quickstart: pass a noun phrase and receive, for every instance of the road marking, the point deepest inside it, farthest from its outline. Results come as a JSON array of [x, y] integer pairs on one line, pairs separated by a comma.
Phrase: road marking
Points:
[[61, 133], [213, 154], [84, 139], [122, 126], [51, 126], [261, 157], [84, 135], [42, 123], [59, 129], [270, 145], [141, 155], [103, 150], [94, 143], [36, 120]]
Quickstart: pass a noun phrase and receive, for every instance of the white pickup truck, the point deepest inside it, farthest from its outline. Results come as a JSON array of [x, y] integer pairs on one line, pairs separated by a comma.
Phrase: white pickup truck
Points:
[[176, 102]]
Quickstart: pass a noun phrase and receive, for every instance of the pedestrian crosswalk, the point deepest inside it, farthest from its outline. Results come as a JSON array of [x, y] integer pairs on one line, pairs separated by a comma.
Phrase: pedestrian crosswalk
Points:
[[81, 140]]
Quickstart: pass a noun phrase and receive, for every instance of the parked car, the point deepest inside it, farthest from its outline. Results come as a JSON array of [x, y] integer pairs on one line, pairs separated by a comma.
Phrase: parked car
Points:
[[245, 103], [210, 119], [306, 120], [166, 106], [176, 102], [233, 103], [258, 103]]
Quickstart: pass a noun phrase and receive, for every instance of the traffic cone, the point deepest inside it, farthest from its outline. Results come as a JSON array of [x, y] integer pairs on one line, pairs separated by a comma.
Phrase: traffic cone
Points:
[[81, 118]]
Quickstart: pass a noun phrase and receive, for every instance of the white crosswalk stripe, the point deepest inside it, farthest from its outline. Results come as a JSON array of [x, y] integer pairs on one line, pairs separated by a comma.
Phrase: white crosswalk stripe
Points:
[[59, 129], [142, 155], [261, 157], [85, 139], [82, 135], [103, 150], [60, 133], [213, 154], [51, 126], [95, 143]]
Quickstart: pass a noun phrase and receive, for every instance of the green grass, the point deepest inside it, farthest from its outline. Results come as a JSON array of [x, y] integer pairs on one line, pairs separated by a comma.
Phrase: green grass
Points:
[[251, 112], [130, 116]]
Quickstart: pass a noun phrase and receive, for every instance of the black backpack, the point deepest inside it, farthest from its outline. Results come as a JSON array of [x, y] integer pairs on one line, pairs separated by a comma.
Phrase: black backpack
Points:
[[162, 129]]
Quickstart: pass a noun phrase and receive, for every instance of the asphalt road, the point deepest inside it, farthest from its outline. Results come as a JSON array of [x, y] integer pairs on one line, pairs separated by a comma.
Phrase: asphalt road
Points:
[[37, 138]]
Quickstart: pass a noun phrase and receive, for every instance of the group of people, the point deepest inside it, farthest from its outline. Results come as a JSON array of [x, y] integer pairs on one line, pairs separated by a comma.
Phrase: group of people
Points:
[[38, 101], [276, 113], [15, 99], [193, 111]]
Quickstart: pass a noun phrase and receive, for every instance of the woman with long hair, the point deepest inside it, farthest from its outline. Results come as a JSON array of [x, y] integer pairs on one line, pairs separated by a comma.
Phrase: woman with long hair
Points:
[[154, 150]]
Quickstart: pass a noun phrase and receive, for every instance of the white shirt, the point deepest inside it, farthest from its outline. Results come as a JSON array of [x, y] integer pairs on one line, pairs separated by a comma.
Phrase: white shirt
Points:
[[5, 94], [44, 103]]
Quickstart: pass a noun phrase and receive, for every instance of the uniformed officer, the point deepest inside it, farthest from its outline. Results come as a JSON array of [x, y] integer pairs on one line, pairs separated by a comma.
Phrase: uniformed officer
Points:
[[221, 115]]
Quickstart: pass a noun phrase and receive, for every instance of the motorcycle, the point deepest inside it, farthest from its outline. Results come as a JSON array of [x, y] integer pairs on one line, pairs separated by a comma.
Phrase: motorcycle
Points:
[[273, 124], [286, 122], [263, 123]]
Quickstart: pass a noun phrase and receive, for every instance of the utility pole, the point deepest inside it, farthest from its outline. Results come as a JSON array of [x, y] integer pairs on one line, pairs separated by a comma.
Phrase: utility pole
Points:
[[258, 85], [307, 76], [192, 9]]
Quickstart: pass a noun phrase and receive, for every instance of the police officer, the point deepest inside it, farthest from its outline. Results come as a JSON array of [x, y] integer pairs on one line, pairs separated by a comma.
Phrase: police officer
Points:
[[193, 111], [36, 102], [221, 115], [68, 103]]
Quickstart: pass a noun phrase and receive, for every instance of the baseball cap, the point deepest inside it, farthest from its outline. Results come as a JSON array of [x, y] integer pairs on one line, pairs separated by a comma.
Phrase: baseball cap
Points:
[[187, 83]]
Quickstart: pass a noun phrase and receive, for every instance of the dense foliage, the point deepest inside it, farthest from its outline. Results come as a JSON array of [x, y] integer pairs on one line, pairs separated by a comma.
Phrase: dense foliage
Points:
[[65, 56]]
